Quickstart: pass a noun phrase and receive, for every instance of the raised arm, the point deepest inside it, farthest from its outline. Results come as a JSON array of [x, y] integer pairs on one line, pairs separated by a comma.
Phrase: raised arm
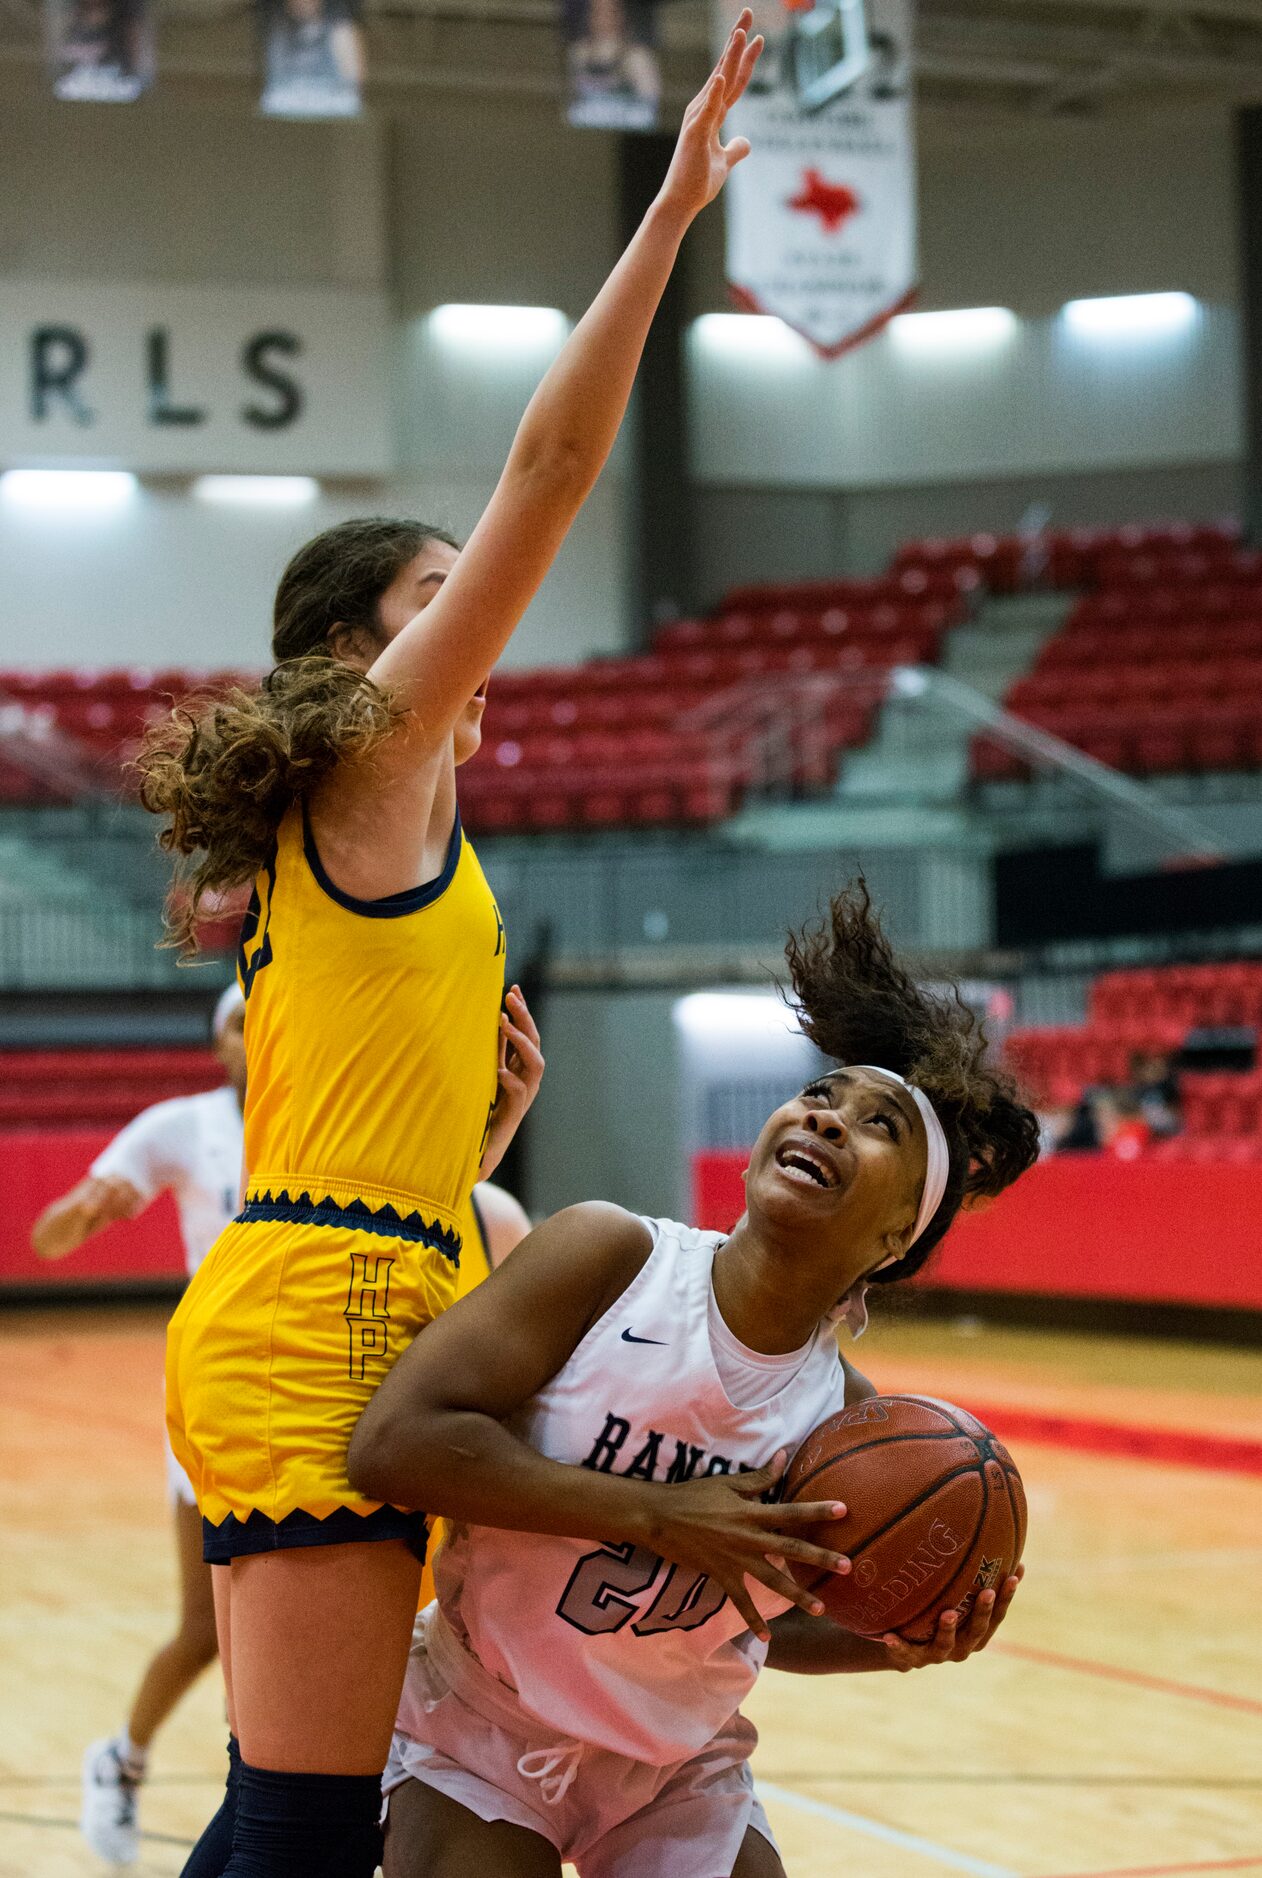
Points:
[[440, 658], [434, 1435]]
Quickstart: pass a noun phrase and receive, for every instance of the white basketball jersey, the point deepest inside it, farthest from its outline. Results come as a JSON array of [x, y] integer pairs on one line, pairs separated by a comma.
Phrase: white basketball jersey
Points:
[[191, 1145], [611, 1644]]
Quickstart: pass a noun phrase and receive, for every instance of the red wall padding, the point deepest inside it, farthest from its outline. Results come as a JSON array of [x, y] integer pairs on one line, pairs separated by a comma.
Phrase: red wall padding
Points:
[[40, 1164], [1083, 1226]]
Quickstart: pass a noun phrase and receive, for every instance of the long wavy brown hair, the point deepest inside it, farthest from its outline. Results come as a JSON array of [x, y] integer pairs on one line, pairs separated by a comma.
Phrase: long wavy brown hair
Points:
[[857, 1004], [225, 769]]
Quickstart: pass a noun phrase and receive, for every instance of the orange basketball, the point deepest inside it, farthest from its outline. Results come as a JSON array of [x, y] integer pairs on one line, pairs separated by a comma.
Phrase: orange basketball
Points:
[[935, 1512]]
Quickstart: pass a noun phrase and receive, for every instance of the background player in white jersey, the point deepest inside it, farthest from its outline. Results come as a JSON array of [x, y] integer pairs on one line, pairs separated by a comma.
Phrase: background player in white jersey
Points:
[[190, 1147], [502, 1224], [574, 1693]]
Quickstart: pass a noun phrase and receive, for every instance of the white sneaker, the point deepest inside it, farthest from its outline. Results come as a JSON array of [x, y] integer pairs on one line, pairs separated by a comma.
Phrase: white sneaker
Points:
[[107, 1817]]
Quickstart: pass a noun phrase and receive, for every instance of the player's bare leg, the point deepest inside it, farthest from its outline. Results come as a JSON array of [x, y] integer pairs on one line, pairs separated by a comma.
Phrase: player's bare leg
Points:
[[429, 1835], [221, 1589], [319, 1646], [758, 1858], [114, 1769], [180, 1662]]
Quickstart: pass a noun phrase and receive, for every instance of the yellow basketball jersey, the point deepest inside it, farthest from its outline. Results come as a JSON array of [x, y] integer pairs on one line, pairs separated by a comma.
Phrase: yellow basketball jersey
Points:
[[372, 1037]]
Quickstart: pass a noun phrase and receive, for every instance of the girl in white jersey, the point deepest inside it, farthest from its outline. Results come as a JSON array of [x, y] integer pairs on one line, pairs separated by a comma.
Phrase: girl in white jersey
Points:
[[574, 1692]]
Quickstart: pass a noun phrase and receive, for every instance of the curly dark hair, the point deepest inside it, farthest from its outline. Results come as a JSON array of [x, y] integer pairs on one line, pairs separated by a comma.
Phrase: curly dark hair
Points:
[[225, 769], [857, 1004]]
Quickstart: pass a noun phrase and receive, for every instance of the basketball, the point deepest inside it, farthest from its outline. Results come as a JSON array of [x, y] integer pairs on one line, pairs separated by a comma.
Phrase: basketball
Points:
[[936, 1512]]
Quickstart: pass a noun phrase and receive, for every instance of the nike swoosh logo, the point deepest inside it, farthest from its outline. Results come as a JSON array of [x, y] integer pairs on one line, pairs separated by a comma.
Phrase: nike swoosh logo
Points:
[[629, 1337]]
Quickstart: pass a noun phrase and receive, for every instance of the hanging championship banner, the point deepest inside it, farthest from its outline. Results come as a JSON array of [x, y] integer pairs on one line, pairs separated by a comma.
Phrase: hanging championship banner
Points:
[[313, 58], [99, 51], [612, 68], [821, 218]]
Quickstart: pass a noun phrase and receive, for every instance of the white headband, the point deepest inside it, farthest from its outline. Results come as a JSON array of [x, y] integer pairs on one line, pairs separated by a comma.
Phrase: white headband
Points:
[[938, 1161], [229, 1001]]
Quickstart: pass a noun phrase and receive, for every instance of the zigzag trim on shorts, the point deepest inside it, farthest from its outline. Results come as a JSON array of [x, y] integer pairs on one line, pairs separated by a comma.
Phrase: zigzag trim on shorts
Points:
[[239, 1538], [386, 1222]]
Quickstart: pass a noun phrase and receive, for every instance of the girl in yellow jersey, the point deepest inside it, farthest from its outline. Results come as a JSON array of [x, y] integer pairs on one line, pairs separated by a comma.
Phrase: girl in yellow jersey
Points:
[[372, 964]]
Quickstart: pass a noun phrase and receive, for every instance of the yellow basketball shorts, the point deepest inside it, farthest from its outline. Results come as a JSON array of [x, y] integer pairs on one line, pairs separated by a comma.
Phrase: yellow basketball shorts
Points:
[[299, 1310]]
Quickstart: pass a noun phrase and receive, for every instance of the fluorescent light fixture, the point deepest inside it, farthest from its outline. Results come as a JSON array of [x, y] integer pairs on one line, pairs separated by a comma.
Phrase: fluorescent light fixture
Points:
[[498, 328], [735, 1014], [959, 329], [1130, 315], [261, 492], [749, 336], [82, 490]]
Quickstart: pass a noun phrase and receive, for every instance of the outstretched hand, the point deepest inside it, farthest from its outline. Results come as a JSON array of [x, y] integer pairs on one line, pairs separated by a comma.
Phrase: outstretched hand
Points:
[[702, 162], [953, 1642]]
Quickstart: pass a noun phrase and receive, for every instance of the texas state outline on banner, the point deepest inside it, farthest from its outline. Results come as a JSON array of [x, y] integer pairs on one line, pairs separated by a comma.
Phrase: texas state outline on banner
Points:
[[821, 218]]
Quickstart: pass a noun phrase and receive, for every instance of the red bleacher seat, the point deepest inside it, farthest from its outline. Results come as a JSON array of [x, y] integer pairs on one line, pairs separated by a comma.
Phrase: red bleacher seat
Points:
[[1154, 1010], [69, 1088]]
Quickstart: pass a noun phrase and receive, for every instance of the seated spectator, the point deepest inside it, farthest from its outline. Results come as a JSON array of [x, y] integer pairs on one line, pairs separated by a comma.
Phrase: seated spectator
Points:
[[1155, 1086], [1125, 1131], [1082, 1134]]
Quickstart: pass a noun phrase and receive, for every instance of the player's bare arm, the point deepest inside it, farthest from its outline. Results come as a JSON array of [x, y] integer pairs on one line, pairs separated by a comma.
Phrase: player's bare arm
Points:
[[382, 821], [69, 1222], [434, 1434], [436, 663]]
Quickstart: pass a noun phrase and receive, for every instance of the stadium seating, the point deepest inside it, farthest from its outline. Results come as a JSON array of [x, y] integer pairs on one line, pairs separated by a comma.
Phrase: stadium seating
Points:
[[102, 712], [1156, 671], [768, 692], [1078, 557], [74, 1088], [1154, 1011]]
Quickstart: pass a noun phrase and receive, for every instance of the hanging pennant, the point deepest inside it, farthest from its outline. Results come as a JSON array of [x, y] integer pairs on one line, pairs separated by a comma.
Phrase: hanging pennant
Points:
[[99, 51], [612, 67], [821, 219], [313, 58]]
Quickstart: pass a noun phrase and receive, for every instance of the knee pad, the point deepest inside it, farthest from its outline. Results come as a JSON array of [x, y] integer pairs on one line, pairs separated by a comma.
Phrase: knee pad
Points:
[[213, 1850], [305, 1825]]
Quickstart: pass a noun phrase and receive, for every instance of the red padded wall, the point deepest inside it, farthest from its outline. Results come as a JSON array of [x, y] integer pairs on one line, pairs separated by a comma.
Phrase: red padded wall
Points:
[[40, 1164], [1084, 1226]]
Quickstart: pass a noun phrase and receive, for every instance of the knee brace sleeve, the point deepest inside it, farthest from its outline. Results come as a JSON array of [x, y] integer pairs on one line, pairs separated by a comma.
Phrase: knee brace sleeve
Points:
[[305, 1825]]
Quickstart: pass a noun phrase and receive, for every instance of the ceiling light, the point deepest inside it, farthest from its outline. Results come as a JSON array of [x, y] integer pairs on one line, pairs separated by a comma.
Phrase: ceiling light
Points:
[[498, 328], [732, 1013], [749, 336], [958, 329], [264, 492], [81, 489], [1130, 315]]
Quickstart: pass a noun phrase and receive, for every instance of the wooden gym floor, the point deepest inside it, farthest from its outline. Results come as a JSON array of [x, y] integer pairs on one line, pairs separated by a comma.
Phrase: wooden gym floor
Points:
[[1114, 1729]]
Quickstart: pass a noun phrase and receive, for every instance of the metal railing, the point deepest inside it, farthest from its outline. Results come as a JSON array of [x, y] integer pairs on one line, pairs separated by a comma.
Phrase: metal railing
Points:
[[50, 946]]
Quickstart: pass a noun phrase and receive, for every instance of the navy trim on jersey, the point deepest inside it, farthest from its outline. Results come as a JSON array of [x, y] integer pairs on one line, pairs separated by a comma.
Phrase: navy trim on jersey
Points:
[[239, 1538], [389, 905], [248, 969], [356, 1215]]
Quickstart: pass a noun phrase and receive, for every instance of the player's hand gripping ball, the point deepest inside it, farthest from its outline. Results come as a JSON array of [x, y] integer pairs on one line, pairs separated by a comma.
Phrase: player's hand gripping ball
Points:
[[936, 1517]]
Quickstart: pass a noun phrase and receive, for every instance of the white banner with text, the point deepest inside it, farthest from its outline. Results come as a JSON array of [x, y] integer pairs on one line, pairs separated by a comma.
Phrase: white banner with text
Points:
[[821, 218], [174, 379]]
